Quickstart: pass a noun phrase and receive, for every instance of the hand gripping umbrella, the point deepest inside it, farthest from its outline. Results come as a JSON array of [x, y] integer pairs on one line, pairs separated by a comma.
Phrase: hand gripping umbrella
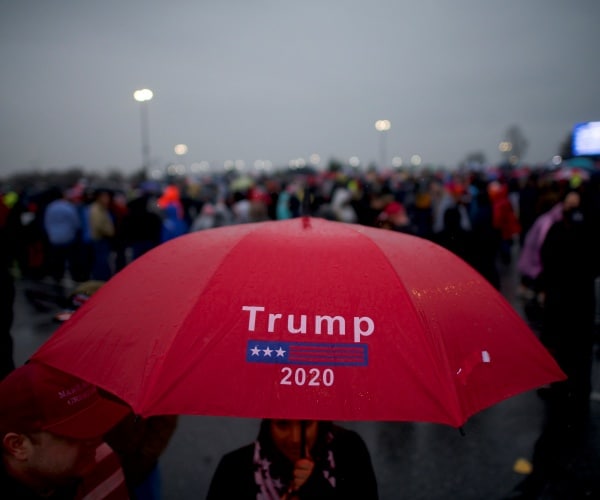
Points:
[[302, 319]]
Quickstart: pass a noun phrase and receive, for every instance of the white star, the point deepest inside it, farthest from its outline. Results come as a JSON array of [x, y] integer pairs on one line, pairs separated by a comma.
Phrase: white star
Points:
[[268, 351], [255, 351], [280, 352]]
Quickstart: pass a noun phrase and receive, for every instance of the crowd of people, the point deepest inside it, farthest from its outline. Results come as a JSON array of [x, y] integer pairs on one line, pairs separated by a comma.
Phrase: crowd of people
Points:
[[95, 232], [77, 234]]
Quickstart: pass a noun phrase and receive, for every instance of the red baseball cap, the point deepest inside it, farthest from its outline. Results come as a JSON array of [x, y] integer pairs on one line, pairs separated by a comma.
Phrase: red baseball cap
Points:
[[36, 397]]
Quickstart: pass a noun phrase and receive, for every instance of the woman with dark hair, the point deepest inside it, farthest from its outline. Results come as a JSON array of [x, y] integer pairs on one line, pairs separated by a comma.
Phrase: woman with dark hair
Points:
[[334, 464]]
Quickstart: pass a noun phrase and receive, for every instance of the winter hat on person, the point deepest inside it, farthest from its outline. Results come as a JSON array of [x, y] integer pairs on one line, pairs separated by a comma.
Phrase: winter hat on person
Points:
[[395, 213], [36, 397], [170, 195]]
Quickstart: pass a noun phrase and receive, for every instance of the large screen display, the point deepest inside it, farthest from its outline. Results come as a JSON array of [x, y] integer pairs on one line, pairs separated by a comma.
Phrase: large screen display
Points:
[[586, 139]]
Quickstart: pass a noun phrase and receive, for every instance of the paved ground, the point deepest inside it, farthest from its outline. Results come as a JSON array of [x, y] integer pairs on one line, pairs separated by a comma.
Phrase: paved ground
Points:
[[411, 461]]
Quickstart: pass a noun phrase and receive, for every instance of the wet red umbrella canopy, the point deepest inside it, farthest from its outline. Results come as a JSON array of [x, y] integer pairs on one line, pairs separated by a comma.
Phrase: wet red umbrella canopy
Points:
[[303, 319]]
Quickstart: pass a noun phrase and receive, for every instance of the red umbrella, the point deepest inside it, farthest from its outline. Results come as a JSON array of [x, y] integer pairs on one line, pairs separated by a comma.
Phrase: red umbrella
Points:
[[304, 319]]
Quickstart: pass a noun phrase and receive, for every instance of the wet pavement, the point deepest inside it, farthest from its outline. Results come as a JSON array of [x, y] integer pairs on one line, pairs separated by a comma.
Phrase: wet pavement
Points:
[[414, 461]]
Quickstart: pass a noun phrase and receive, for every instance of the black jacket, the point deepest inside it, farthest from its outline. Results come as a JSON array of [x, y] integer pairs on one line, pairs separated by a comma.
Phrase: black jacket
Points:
[[234, 477]]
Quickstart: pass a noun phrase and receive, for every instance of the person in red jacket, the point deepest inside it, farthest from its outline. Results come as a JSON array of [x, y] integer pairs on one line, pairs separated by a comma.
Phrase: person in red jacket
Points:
[[504, 218]]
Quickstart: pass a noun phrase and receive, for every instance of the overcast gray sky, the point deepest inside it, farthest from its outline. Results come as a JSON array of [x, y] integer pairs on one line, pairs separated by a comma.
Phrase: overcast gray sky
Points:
[[279, 79]]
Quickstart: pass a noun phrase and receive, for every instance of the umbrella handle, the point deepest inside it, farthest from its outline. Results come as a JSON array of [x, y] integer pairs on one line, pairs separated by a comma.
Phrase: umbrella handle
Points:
[[302, 438]]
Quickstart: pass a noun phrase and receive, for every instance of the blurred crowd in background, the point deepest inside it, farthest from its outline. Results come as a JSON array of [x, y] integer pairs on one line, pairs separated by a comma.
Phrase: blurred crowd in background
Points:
[[91, 231]]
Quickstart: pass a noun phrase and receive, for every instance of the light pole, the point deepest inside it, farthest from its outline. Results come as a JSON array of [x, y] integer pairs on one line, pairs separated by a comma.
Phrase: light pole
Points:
[[143, 96], [383, 126]]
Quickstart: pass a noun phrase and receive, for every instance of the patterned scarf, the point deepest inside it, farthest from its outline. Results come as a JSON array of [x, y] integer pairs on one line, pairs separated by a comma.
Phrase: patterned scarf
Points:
[[273, 480]]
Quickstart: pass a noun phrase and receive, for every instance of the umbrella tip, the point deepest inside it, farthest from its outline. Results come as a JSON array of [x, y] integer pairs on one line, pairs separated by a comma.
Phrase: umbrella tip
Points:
[[305, 222]]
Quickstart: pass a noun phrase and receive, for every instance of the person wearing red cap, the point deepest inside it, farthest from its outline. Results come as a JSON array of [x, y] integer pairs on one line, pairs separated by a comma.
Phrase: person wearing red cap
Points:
[[395, 218], [51, 427]]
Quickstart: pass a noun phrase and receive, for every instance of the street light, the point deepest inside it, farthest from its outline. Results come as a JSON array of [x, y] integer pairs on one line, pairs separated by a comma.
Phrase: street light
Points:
[[383, 126], [143, 96], [181, 150]]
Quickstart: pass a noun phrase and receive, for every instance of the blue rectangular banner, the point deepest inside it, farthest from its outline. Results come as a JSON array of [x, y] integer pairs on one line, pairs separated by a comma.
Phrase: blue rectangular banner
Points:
[[307, 353]]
